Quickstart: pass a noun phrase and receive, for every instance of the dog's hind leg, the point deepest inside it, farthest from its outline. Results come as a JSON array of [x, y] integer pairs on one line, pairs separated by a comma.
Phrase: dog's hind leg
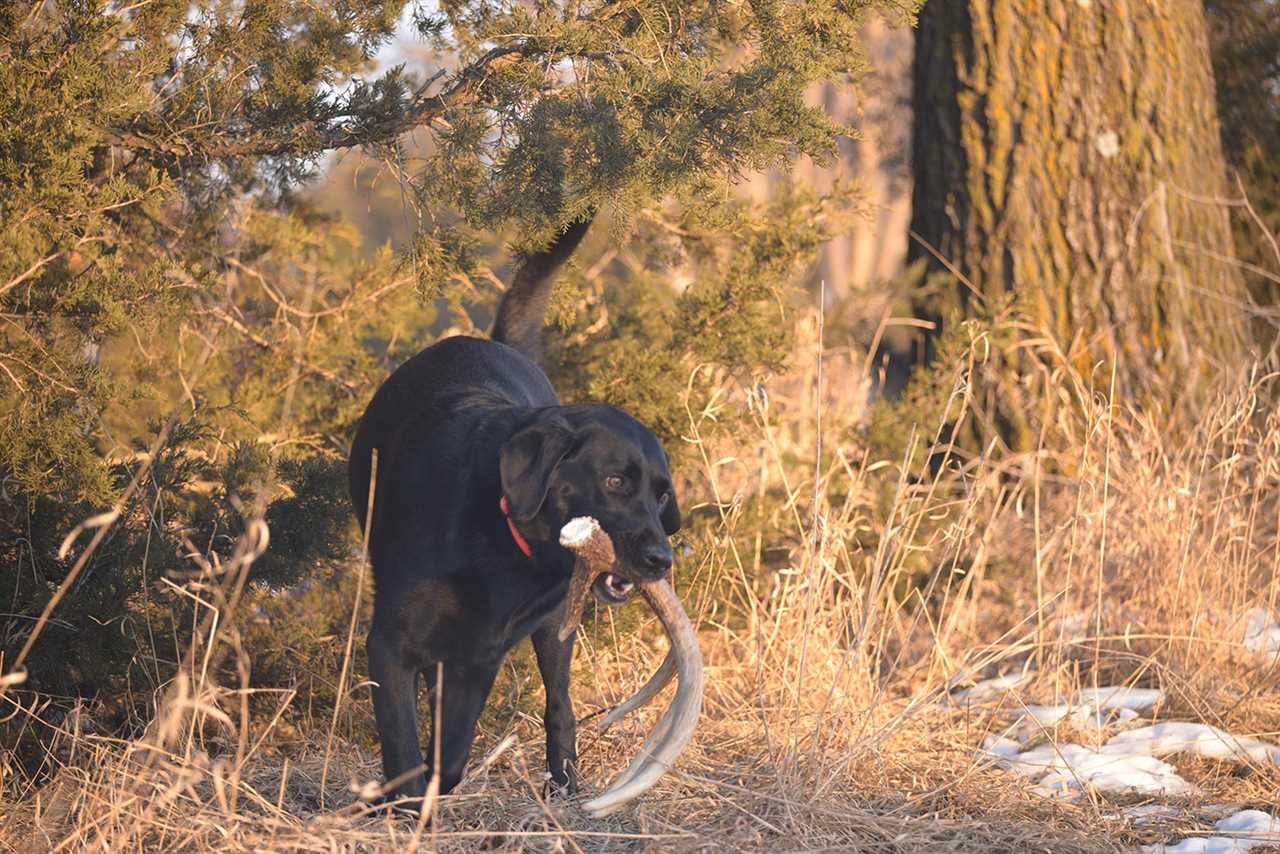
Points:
[[395, 710], [462, 698], [554, 657]]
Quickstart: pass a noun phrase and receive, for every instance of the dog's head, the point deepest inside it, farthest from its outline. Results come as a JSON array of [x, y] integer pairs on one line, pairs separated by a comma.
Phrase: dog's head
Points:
[[595, 461]]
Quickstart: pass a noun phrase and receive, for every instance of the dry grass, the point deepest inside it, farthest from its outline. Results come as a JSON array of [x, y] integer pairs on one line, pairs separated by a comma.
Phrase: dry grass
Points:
[[831, 631]]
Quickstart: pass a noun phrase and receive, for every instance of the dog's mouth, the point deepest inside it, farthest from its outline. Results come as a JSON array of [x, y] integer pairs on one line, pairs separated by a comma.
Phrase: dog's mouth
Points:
[[611, 589]]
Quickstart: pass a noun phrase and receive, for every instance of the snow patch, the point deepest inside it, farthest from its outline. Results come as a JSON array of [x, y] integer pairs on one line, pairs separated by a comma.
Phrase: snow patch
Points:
[[1128, 761], [1090, 707], [1045, 716], [1248, 829], [1066, 770], [989, 689], [1154, 813], [1087, 706], [1148, 813], [1000, 747], [1262, 634], [1182, 737], [1119, 697]]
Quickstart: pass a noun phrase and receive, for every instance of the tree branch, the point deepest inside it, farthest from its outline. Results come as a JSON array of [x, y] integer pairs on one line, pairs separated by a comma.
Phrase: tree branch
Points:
[[317, 135]]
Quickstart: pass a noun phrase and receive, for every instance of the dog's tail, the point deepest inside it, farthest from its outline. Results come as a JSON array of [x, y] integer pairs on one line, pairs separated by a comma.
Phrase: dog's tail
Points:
[[522, 308]]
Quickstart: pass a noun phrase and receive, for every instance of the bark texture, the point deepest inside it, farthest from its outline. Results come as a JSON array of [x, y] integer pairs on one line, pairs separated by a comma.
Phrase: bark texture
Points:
[[1067, 152]]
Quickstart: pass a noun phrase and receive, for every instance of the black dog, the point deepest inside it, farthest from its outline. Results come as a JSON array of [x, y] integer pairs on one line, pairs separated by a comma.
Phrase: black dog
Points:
[[478, 468]]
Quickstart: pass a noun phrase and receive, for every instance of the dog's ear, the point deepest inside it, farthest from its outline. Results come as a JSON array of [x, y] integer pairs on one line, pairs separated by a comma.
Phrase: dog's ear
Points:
[[527, 461]]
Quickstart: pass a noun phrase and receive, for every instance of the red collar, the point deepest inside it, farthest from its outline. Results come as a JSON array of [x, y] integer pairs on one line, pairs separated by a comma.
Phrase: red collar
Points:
[[521, 542]]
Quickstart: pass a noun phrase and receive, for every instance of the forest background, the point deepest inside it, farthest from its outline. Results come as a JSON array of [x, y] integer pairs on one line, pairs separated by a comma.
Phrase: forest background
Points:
[[961, 331]]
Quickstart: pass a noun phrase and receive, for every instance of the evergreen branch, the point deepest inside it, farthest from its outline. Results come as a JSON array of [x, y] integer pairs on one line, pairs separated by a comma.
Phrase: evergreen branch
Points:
[[318, 135], [265, 345], [29, 272], [285, 306]]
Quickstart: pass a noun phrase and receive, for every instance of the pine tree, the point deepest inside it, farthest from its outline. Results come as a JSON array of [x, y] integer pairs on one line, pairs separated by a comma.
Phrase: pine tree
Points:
[[174, 311]]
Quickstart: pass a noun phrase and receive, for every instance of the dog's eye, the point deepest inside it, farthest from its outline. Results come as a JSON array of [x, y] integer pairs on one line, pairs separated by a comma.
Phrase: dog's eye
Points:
[[664, 499], [613, 481]]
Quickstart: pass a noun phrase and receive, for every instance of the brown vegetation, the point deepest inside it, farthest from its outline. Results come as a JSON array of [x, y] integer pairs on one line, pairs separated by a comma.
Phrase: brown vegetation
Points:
[[831, 631]]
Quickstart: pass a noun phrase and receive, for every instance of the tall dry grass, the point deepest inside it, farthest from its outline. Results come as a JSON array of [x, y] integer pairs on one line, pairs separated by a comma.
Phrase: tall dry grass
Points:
[[840, 596]]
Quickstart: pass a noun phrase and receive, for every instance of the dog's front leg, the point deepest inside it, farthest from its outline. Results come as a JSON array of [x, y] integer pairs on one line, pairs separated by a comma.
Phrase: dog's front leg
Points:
[[554, 658]]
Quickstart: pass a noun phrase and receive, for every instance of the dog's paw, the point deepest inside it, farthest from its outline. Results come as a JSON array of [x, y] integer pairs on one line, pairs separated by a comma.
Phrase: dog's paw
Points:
[[396, 805], [563, 788]]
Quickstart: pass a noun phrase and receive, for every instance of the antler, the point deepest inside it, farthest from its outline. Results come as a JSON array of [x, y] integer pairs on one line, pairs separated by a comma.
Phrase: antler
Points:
[[595, 555]]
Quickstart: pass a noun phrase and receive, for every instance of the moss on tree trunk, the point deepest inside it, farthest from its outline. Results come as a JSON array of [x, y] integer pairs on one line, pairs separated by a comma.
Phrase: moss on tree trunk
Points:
[[1066, 153]]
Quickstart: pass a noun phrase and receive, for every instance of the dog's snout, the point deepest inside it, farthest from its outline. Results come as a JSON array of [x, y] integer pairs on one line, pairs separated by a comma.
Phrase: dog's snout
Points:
[[658, 557]]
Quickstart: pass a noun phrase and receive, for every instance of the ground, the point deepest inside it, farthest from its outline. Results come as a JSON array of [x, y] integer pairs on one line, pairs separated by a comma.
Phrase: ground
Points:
[[883, 665]]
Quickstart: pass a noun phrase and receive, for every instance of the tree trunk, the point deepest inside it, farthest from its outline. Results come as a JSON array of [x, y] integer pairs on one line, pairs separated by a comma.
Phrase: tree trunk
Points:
[[1066, 155]]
